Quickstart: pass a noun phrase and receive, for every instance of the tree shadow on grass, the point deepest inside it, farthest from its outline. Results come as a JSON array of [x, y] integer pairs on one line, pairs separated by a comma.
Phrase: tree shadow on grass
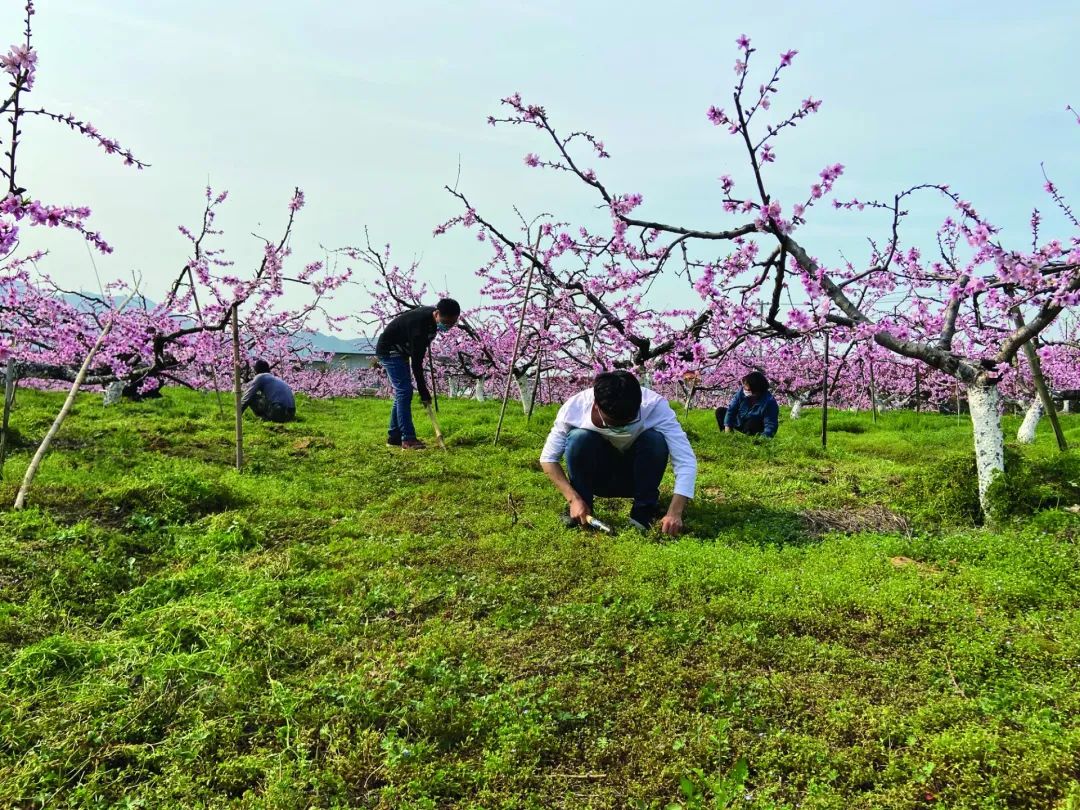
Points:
[[749, 522]]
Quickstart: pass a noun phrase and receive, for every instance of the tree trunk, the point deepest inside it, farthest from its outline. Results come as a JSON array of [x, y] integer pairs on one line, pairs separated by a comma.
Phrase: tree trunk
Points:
[[989, 440], [525, 385], [796, 408], [480, 395], [1026, 434]]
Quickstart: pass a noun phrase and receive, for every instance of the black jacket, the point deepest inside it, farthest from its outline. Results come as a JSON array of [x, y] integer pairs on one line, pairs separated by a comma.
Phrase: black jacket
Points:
[[409, 335]]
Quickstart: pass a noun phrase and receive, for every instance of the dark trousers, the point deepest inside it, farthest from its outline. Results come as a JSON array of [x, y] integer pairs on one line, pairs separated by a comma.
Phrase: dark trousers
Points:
[[751, 427], [596, 468], [401, 423], [271, 411]]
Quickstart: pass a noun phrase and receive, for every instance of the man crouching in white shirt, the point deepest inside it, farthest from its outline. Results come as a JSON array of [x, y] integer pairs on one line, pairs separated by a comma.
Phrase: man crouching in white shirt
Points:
[[616, 437]]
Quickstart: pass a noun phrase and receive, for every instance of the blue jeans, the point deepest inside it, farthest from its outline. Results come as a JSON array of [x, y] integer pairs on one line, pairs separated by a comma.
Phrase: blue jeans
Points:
[[401, 424], [596, 468]]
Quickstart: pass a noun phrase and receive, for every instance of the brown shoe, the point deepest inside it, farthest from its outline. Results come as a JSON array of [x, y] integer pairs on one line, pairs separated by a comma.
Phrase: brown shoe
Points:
[[412, 444]]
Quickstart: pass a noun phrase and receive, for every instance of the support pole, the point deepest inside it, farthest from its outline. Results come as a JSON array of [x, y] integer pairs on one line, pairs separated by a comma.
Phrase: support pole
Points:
[[43, 448], [236, 387], [918, 390]]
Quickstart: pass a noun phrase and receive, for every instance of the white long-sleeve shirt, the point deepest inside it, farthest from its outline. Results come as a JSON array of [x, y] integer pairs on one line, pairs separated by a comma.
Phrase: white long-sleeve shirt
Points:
[[656, 413]]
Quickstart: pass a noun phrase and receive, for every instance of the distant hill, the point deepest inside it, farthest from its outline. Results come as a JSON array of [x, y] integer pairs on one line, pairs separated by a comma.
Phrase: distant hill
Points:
[[319, 341], [332, 343]]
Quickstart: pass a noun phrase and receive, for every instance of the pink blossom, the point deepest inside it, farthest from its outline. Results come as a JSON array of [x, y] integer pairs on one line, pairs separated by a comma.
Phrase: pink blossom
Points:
[[717, 116]]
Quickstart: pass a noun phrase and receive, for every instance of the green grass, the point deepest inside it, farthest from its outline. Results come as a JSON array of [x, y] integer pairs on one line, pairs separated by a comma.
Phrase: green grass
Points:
[[347, 625]]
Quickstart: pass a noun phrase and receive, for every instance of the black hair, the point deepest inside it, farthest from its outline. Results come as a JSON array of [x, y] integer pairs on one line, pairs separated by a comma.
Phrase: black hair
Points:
[[449, 308], [617, 394], [757, 381], [262, 367]]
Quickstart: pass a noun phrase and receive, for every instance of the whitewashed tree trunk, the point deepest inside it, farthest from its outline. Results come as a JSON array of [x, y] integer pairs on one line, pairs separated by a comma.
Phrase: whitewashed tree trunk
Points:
[[114, 391], [796, 408], [989, 440], [480, 394], [525, 387], [1067, 405], [1026, 434], [452, 388]]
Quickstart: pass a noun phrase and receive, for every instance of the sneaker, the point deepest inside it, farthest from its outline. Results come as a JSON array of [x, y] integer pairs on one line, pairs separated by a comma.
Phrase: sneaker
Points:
[[412, 444], [644, 518], [392, 442]]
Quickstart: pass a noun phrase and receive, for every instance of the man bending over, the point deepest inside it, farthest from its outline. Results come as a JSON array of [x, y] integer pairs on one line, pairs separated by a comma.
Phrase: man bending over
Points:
[[616, 438], [269, 397]]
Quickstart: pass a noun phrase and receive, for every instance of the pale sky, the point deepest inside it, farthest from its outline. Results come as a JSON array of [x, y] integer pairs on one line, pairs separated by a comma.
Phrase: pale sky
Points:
[[369, 106]]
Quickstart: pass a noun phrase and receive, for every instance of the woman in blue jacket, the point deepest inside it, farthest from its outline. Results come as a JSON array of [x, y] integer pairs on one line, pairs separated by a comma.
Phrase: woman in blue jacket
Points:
[[752, 410]]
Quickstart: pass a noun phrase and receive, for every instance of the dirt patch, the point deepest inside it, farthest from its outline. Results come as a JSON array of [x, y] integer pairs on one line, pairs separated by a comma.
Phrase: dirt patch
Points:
[[906, 562], [850, 521], [301, 446]]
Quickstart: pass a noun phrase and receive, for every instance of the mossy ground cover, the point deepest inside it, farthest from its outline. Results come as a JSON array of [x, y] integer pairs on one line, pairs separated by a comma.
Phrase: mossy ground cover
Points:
[[347, 625]]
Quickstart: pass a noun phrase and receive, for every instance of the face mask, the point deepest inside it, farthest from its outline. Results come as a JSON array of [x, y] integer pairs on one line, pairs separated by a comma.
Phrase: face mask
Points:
[[442, 327], [616, 430]]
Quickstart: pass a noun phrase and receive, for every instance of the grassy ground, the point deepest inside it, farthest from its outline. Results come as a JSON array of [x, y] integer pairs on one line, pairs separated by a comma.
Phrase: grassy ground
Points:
[[346, 625]]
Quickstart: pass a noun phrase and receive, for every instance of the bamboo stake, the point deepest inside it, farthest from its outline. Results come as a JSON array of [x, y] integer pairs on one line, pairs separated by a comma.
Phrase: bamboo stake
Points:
[[43, 448], [236, 387]]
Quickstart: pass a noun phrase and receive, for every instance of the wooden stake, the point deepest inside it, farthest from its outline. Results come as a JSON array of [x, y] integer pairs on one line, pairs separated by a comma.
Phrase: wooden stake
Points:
[[825, 398], [236, 386], [43, 448], [9, 397]]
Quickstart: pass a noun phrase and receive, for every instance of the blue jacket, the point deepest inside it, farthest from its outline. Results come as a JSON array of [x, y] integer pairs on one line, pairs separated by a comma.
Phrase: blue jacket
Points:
[[742, 413]]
